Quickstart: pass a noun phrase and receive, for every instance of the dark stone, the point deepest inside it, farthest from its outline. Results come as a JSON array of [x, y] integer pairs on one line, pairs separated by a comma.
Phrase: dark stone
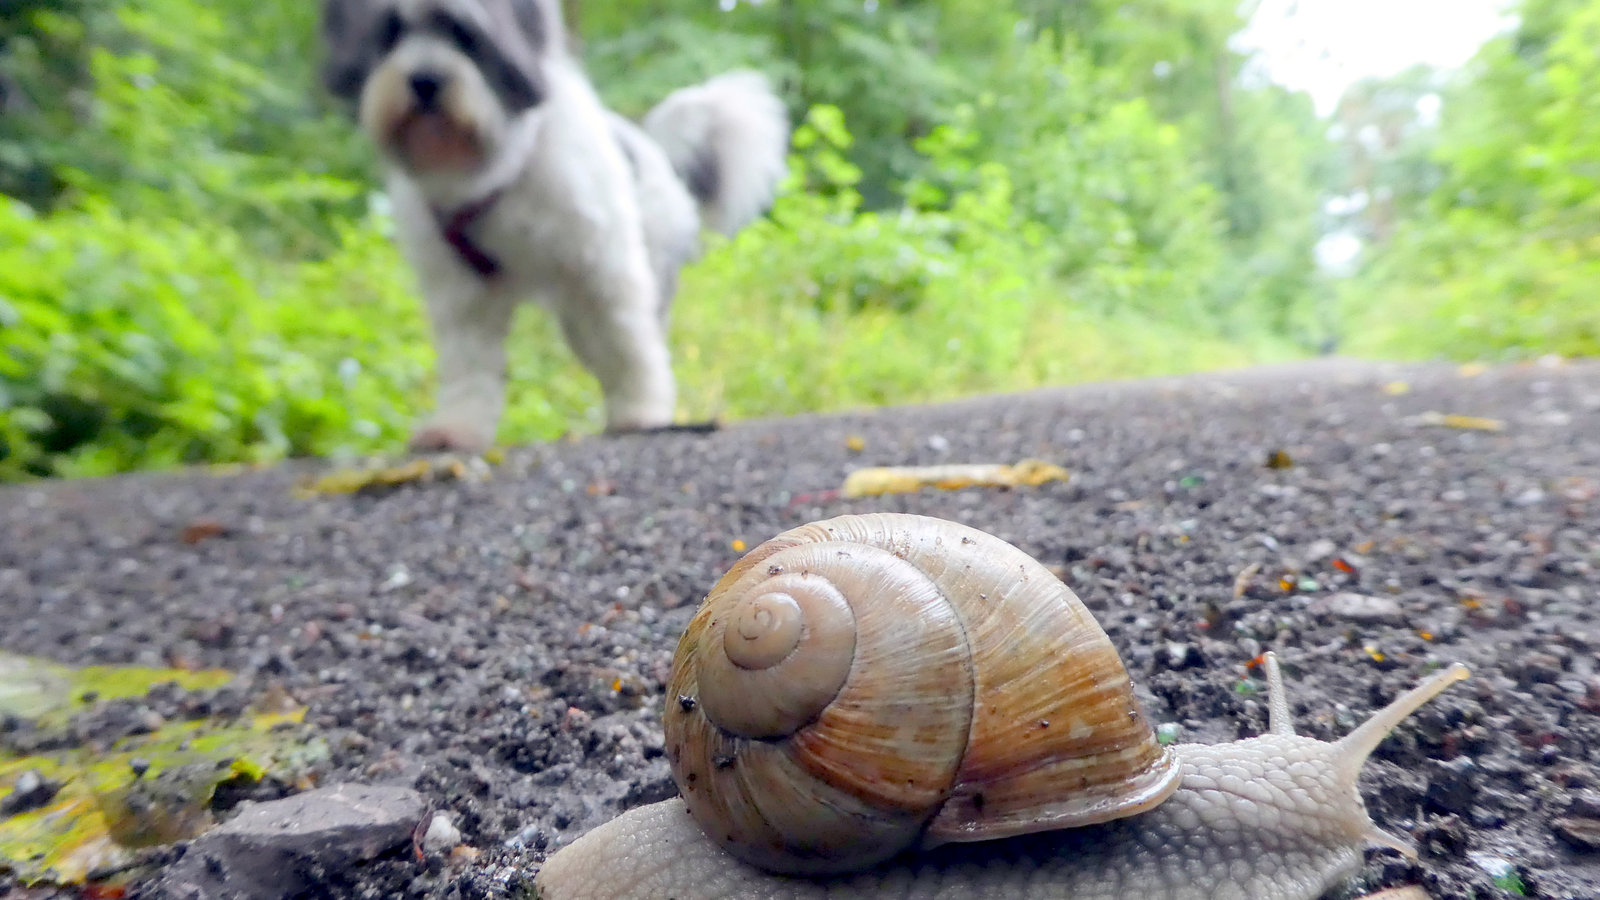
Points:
[[30, 791], [1537, 668], [1581, 833], [1452, 786], [1584, 804], [277, 850], [1181, 656]]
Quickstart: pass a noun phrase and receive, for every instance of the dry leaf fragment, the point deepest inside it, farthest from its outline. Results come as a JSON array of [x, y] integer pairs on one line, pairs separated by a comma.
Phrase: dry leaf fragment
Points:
[[421, 470], [1409, 892], [202, 529], [877, 481], [1241, 582], [464, 854], [1452, 420]]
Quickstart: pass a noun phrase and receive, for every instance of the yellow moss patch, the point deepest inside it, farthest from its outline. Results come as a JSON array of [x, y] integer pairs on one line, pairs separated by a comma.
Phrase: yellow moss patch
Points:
[[145, 789]]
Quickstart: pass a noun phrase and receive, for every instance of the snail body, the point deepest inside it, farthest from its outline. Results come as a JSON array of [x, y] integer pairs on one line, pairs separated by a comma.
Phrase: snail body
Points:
[[871, 685]]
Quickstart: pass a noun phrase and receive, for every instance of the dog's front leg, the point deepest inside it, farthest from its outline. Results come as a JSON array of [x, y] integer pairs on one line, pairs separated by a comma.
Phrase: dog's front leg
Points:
[[470, 327], [614, 327]]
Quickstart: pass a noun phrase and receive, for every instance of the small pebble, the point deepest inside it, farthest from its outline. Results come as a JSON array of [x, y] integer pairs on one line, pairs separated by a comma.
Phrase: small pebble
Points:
[[1497, 866], [1452, 786], [1359, 608], [1580, 832], [31, 791], [441, 835]]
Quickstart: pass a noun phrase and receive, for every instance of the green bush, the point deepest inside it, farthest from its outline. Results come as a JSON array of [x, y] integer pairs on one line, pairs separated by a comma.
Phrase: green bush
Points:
[[1502, 259], [128, 344], [842, 308], [152, 342], [200, 276], [1469, 287]]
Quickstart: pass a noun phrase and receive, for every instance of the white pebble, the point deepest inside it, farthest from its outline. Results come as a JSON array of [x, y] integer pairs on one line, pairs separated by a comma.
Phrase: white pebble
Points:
[[441, 835]]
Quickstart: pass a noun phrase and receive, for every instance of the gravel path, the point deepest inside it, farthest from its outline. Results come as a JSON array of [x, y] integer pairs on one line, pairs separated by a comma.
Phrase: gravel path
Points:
[[502, 645]]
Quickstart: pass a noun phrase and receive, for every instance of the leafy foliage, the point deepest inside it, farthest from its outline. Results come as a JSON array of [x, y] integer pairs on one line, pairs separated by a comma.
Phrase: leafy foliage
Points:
[[1499, 259], [194, 263], [155, 342]]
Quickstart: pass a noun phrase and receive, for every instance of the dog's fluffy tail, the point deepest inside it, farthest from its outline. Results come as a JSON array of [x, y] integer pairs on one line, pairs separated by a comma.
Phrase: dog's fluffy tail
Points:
[[728, 139]]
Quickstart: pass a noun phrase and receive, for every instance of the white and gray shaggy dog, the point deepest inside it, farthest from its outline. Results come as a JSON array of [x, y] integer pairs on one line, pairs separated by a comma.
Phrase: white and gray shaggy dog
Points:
[[510, 181]]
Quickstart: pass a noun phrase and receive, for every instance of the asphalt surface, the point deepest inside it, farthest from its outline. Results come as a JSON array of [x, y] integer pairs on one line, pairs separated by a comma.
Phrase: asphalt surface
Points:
[[502, 644]]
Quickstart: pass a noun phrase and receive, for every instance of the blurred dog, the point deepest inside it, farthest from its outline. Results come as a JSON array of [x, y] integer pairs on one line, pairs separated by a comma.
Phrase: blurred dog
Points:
[[510, 181]]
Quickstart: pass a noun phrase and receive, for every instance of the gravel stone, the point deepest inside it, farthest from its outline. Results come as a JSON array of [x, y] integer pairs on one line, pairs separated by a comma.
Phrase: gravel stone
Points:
[[441, 835], [282, 848], [1581, 833], [30, 791], [1359, 608]]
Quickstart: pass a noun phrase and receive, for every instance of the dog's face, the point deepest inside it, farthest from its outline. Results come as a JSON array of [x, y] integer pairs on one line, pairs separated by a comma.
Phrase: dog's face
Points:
[[439, 81]]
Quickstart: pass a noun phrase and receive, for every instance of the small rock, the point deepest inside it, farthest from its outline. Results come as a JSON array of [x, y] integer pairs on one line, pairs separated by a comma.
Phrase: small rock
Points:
[[1320, 549], [1168, 733], [1584, 804], [1498, 867], [270, 850], [1452, 786], [441, 835], [1534, 667], [30, 791], [1359, 608], [1183, 656], [398, 578], [1486, 818], [1580, 832], [1446, 836]]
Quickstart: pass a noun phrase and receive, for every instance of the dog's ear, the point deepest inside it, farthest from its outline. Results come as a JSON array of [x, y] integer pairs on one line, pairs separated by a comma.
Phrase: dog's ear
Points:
[[524, 32], [539, 21], [348, 33]]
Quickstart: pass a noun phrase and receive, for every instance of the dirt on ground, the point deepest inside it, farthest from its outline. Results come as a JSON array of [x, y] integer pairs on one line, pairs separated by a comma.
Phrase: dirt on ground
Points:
[[501, 644]]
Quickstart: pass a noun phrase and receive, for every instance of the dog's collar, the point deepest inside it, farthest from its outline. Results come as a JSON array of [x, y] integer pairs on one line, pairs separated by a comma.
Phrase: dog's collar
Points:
[[454, 225]]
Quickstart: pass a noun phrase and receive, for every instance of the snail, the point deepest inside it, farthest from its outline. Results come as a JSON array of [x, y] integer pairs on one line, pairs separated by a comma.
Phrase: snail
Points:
[[858, 690]]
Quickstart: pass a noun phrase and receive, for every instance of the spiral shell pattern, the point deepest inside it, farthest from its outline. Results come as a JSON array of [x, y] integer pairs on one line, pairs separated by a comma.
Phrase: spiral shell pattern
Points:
[[858, 686]]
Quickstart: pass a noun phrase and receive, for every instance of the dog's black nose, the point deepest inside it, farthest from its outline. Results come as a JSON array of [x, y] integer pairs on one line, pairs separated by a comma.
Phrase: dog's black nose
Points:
[[425, 87]]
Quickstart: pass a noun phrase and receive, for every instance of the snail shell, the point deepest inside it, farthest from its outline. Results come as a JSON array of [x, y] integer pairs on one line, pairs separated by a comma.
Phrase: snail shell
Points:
[[862, 685]]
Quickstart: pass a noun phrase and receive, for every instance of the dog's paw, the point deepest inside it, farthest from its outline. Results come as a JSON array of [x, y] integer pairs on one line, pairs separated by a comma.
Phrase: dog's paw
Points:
[[445, 437], [709, 426]]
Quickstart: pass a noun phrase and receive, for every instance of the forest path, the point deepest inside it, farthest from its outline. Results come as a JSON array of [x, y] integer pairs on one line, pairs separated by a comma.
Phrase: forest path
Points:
[[502, 644]]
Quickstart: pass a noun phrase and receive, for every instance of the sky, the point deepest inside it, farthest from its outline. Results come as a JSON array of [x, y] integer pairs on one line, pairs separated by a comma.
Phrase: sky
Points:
[[1322, 46]]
